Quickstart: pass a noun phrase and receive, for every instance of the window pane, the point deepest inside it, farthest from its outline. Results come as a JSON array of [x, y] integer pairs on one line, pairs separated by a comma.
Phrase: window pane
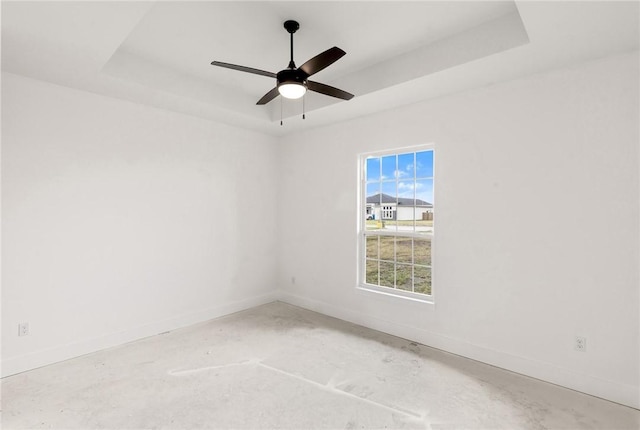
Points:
[[372, 272], [372, 207], [374, 224], [373, 169], [422, 279], [404, 250], [387, 248], [372, 247], [422, 251], [425, 226], [403, 277], [424, 206], [424, 193], [424, 164], [387, 274], [405, 167], [388, 168], [373, 192], [389, 192], [406, 191], [388, 205], [370, 222]]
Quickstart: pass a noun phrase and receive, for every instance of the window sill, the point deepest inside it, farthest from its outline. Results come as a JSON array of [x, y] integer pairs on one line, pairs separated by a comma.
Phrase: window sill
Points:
[[397, 294]]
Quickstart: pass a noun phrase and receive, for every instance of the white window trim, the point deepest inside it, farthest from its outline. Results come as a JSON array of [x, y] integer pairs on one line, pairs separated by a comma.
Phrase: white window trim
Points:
[[361, 224]]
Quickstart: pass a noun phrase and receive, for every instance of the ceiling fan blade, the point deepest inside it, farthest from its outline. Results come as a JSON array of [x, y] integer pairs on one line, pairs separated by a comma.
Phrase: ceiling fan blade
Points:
[[268, 97], [322, 60], [328, 90], [243, 69]]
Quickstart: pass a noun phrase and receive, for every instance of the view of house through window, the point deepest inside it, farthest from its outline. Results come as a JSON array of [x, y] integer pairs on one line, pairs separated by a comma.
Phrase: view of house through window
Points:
[[397, 226]]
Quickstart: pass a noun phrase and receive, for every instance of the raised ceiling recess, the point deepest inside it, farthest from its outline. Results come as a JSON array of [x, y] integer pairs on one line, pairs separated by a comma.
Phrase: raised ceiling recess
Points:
[[400, 52]]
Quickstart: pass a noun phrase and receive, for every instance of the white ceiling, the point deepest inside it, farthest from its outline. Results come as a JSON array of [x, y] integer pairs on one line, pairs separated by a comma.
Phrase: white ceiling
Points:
[[159, 53]]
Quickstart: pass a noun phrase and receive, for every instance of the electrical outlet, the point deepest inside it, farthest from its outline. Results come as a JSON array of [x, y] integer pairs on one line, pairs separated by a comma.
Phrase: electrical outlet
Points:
[[581, 344], [23, 329]]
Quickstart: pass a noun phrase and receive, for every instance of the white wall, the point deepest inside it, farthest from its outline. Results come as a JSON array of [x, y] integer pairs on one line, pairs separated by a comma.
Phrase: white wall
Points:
[[513, 285], [121, 221]]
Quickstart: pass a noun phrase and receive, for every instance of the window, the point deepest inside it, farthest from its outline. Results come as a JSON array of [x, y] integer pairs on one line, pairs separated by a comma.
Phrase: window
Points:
[[388, 212], [397, 210]]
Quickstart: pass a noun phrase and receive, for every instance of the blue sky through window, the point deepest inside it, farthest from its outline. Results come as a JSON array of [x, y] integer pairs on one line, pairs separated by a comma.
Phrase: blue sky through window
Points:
[[373, 169], [407, 175], [388, 168], [424, 161]]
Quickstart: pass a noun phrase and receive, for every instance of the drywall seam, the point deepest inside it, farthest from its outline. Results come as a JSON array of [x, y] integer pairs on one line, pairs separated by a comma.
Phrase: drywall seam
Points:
[[624, 394], [33, 360]]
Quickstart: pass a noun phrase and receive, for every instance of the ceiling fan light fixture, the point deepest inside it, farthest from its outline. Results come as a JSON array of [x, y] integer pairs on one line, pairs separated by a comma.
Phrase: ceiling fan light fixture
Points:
[[292, 90], [292, 83]]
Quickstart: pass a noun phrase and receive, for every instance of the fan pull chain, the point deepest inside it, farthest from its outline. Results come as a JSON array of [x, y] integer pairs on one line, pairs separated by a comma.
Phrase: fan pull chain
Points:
[[280, 111], [303, 99]]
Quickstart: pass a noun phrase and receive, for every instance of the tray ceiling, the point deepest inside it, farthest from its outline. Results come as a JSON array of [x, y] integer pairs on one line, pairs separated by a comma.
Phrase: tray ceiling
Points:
[[159, 53]]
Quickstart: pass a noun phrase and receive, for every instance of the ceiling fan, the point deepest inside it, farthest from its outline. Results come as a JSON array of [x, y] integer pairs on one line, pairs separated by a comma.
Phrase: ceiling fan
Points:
[[292, 82]]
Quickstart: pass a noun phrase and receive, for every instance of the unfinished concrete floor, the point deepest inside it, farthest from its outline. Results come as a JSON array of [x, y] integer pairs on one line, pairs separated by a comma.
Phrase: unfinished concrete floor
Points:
[[279, 366]]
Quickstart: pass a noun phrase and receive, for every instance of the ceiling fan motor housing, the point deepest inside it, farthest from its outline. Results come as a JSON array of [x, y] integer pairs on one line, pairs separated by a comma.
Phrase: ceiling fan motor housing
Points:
[[290, 76]]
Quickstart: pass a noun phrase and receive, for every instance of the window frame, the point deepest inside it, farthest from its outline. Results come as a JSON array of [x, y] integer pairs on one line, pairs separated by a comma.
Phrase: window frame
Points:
[[362, 231]]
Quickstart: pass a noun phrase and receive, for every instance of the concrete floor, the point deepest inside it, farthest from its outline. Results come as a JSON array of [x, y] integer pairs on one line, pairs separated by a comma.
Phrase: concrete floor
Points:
[[278, 366]]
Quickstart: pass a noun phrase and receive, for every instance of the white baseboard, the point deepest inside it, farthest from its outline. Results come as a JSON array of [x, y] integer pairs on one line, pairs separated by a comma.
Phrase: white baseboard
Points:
[[624, 394], [33, 360]]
